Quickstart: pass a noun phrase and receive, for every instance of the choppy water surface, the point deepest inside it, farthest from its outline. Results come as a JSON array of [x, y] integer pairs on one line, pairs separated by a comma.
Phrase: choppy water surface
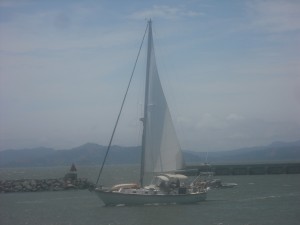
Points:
[[262, 199]]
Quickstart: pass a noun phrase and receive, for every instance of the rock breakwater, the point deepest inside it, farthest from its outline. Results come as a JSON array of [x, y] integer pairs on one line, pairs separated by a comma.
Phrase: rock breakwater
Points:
[[34, 185]]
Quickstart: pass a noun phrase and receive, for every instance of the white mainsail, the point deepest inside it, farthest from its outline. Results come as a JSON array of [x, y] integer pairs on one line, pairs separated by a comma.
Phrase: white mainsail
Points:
[[162, 151]]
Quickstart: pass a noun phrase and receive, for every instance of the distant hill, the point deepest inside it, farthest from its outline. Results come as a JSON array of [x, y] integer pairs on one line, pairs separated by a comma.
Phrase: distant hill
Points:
[[93, 154], [275, 152], [87, 154]]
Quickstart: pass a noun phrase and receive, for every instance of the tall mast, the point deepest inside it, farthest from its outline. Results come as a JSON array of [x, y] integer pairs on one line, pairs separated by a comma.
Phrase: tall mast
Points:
[[144, 120]]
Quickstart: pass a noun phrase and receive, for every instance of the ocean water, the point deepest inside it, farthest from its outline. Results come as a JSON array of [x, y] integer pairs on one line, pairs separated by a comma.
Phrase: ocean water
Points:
[[257, 200]]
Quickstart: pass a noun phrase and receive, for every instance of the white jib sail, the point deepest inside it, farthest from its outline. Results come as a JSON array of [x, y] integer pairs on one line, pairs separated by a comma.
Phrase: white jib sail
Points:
[[162, 149]]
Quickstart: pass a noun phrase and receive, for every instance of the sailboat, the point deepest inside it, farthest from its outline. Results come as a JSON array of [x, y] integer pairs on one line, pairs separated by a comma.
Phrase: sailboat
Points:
[[161, 152]]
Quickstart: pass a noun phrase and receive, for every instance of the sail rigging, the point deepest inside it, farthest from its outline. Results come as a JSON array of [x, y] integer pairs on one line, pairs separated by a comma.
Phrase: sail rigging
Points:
[[161, 151], [121, 109]]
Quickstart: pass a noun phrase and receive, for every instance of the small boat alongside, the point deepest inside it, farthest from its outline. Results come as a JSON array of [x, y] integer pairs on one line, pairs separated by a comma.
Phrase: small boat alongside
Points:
[[211, 183]]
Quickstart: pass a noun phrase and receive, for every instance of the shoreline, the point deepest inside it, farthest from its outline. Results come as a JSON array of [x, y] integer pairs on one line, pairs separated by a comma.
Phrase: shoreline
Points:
[[41, 185]]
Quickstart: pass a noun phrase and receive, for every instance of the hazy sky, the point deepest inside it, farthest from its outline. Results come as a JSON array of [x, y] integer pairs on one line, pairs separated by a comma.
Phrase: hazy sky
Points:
[[230, 69]]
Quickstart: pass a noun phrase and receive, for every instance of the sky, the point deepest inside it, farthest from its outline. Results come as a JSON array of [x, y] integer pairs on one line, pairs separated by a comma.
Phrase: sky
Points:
[[230, 71]]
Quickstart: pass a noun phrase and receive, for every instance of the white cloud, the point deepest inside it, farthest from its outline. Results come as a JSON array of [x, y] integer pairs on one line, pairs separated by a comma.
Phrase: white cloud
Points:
[[234, 117], [164, 12], [12, 3], [235, 131], [276, 15], [54, 30], [210, 121], [59, 63]]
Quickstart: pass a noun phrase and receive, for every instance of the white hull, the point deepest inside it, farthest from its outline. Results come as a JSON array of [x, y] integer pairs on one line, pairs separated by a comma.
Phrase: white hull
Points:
[[117, 198]]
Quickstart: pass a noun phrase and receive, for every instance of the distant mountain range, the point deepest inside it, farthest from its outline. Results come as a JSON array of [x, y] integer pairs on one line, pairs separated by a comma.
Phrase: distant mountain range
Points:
[[93, 154], [275, 152]]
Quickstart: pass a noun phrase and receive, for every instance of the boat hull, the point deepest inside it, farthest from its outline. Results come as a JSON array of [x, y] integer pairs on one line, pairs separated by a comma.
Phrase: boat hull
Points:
[[118, 198]]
